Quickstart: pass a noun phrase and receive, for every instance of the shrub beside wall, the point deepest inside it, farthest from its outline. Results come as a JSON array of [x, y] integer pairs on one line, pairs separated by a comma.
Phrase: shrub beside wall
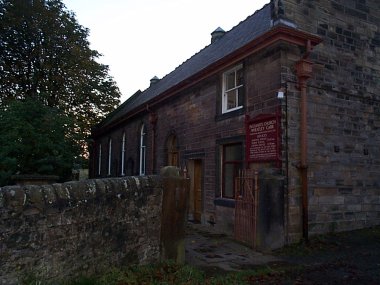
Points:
[[64, 230]]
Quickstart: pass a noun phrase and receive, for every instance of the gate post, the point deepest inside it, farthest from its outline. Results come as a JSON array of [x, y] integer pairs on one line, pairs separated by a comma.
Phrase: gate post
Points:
[[174, 214], [270, 223]]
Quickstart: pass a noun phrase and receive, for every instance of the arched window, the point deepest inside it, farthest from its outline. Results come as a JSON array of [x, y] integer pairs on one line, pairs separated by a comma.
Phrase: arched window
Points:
[[123, 155], [142, 150], [100, 159], [109, 156], [172, 150]]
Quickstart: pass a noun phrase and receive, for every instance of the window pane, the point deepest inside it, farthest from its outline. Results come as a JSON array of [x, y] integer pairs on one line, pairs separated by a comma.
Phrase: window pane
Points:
[[143, 160], [142, 150], [230, 80], [231, 99], [123, 155], [233, 152], [240, 96], [228, 181], [143, 136], [232, 162], [109, 156]]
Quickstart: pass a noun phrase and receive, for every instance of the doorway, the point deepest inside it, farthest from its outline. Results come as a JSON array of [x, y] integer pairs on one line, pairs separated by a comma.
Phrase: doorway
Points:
[[196, 193]]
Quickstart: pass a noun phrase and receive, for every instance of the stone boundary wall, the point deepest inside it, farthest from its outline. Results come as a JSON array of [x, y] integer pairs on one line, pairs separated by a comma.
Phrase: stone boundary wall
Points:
[[60, 231]]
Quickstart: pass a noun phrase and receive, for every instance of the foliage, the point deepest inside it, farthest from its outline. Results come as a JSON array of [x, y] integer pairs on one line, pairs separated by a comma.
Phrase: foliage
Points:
[[164, 273], [35, 139], [45, 55]]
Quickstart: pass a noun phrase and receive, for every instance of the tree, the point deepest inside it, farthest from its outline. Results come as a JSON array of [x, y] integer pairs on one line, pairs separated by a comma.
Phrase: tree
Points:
[[35, 139], [45, 55]]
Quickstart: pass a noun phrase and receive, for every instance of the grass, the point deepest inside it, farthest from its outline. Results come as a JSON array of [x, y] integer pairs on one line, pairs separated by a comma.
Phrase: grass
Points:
[[164, 273], [167, 273]]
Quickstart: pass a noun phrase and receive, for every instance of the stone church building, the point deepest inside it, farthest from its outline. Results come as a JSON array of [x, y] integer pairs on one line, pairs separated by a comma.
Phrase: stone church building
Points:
[[293, 91]]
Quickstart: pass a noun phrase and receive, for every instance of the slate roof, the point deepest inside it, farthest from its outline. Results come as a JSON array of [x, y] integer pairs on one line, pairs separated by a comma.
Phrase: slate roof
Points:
[[242, 34]]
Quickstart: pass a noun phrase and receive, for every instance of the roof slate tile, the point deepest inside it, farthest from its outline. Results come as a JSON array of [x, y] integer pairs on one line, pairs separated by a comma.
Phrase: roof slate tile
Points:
[[242, 34]]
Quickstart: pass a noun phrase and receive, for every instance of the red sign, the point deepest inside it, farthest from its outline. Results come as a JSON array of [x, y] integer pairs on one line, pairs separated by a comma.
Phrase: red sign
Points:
[[262, 139]]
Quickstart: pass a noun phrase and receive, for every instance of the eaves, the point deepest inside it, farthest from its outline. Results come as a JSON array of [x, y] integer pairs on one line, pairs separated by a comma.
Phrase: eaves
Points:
[[279, 33]]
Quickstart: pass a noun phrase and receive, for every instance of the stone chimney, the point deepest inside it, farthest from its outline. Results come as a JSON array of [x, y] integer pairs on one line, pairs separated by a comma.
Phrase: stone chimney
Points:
[[154, 80], [217, 34]]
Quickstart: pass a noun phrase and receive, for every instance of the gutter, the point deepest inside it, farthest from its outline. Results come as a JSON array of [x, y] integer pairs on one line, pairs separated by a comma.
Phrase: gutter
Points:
[[277, 34]]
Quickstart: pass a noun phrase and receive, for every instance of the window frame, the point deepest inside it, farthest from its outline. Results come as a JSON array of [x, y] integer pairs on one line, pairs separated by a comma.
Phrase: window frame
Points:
[[237, 88]]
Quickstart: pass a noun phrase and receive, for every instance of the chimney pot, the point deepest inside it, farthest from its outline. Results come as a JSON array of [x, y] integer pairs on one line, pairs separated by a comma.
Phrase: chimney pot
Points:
[[217, 34], [154, 80]]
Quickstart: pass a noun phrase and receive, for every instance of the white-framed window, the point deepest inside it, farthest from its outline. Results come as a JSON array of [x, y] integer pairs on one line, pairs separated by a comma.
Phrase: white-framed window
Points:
[[142, 150], [100, 159], [123, 155], [233, 80], [109, 156]]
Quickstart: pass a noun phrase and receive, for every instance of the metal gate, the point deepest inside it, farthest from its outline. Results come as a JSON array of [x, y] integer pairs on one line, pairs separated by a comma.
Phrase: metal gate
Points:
[[246, 203]]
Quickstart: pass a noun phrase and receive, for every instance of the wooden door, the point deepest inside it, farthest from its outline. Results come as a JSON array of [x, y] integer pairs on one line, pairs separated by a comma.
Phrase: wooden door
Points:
[[197, 190]]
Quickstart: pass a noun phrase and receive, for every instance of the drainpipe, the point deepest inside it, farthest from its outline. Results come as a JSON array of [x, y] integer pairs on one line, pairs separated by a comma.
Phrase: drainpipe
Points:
[[304, 70]]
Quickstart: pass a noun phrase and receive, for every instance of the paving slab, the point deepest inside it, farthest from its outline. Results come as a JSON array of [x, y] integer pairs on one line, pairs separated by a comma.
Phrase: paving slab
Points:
[[348, 258], [206, 247]]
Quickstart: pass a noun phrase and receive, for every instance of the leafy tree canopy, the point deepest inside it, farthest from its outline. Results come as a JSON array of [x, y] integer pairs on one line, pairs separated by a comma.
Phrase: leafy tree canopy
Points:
[[46, 61], [45, 55], [35, 139]]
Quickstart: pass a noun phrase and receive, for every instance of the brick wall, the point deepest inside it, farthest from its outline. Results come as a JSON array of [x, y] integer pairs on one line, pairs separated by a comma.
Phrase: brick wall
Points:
[[343, 119], [60, 231], [194, 117], [343, 115]]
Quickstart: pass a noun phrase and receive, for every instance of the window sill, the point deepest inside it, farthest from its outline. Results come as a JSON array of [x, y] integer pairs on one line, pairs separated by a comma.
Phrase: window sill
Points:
[[231, 114], [224, 202], [232, 109]]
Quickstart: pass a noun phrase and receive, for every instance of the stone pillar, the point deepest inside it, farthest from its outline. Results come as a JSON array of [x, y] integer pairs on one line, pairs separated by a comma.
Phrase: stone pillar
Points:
[[175, 203]]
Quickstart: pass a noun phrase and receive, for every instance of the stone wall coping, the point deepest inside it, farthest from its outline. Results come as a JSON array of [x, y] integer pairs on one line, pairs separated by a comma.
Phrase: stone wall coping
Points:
[[18, 197]]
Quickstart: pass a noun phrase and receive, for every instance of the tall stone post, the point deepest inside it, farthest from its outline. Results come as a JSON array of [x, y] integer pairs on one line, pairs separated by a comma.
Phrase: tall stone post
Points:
[[175, 203]]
